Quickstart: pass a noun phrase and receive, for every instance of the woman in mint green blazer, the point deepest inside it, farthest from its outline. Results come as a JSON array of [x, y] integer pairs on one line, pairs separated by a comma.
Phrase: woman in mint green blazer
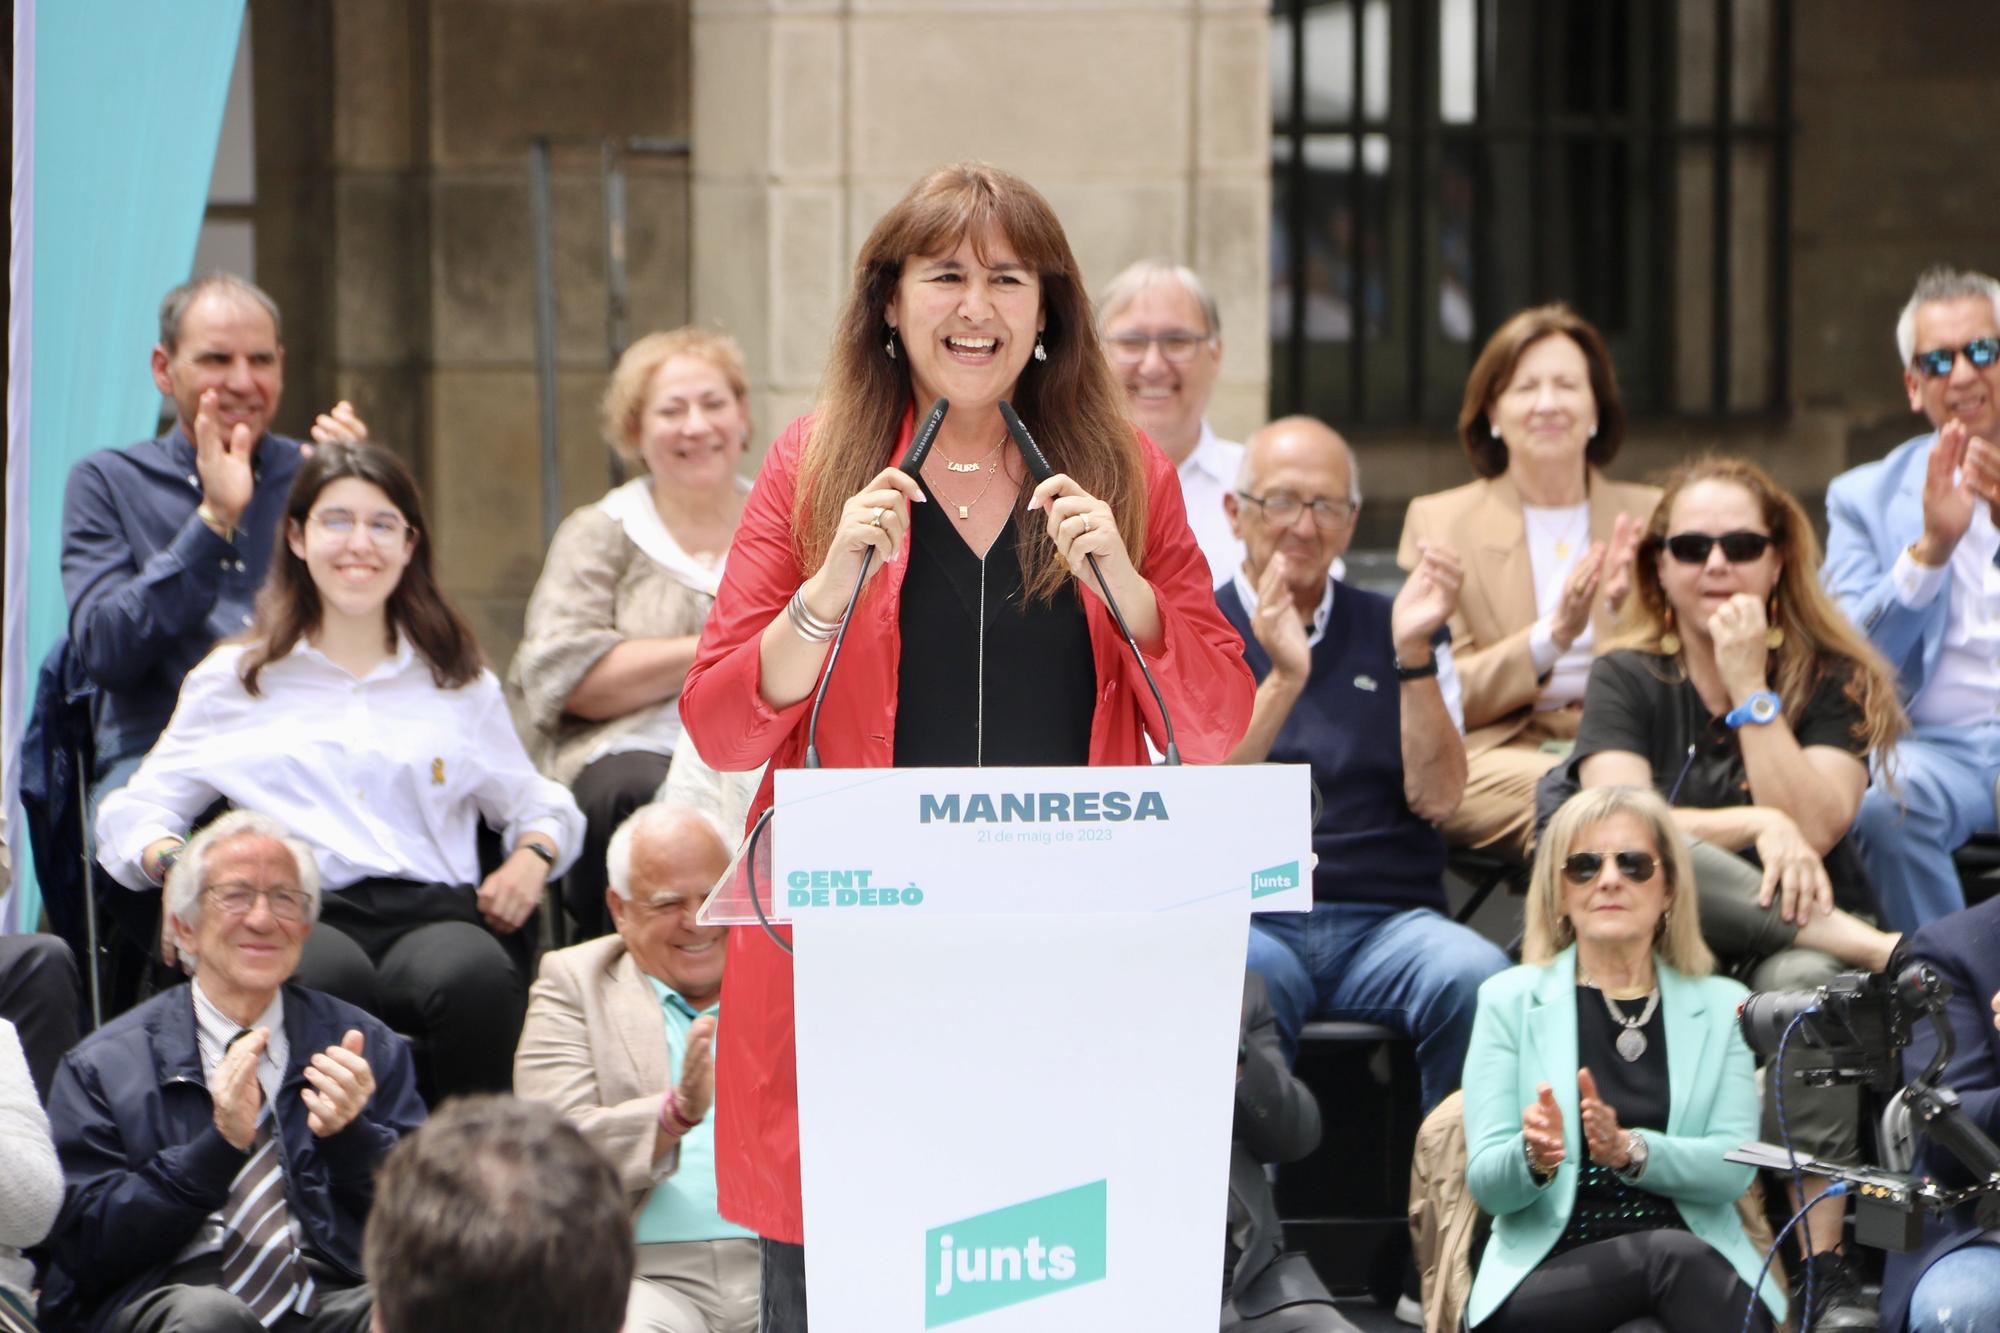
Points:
[[1604, 1082]]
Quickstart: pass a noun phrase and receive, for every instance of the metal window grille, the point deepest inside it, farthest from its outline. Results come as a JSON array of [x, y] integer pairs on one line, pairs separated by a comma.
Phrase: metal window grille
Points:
[[1439, 164]]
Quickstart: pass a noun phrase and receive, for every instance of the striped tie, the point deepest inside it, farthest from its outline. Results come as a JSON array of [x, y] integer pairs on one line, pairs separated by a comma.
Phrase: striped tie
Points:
[[261, 1264]]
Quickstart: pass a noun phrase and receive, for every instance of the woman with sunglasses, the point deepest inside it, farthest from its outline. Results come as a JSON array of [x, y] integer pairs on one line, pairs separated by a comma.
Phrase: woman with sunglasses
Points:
[[1741, 693], [1605, 1080], [1549, 542], [357, 713]]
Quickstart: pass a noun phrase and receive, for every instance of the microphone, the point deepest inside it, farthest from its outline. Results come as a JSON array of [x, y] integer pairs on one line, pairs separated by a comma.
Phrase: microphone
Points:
[[920, 448], [1039, 469]]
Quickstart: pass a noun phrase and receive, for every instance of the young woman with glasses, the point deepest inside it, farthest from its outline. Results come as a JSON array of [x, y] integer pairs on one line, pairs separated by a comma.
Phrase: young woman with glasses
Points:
[[1604, 1083], [357, 713], [1548, 541], [1739, 691]]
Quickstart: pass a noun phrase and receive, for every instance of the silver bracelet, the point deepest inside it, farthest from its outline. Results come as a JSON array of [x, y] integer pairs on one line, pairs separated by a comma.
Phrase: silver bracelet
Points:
[[809, 626]]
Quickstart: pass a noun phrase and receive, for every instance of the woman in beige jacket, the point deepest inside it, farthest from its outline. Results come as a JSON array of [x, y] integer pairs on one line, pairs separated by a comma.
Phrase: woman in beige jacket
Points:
[[1548, 543]]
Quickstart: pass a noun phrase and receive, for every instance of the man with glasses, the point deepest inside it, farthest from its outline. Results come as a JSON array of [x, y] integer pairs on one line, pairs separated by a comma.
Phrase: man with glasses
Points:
[[1164, 337], [1362, 689], [619, 1038], [219, 1142], [1910, 557]]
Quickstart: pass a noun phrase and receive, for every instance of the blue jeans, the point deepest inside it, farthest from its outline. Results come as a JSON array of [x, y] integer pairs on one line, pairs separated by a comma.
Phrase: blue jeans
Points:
[[1960, 1293], [1947, 796], [1408, 968]]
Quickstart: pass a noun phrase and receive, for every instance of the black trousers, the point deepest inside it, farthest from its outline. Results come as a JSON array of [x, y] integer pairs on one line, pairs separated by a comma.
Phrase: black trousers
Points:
[[606, 791], [422, 959], [781, 1295], [39, 996], [180, 1308], [1666, 1281]]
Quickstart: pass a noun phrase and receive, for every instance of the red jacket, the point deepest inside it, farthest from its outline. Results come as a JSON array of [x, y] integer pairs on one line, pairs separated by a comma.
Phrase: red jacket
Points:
[[1200, 670]]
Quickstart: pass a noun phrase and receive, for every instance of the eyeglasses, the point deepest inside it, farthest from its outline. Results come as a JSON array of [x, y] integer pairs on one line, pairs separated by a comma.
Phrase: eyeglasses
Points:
[[1740, 547], [385, 530], [1585, 867], [1179, 347], [1937, 363], [1282, 508], [234, 900]]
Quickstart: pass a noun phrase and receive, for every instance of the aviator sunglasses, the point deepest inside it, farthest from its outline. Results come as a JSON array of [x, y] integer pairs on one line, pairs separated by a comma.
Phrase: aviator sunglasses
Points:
[[1739, 547], [1584, 867], [1937, 363]]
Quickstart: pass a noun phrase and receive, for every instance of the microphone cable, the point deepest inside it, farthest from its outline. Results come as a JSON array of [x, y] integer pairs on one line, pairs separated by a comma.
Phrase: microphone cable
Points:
[[1039, 469]]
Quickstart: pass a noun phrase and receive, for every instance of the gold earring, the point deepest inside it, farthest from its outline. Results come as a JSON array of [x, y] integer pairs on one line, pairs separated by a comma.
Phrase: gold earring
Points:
[[1774, 635], [1670, 642]]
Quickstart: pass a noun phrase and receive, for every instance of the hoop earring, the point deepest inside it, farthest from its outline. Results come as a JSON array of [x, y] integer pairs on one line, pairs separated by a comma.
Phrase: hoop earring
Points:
[[1774, 633], [1670, 642], [889, 345], [1041, 352]]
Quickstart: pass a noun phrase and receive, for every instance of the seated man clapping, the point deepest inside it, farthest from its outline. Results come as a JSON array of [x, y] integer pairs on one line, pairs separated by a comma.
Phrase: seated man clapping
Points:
[[619, 1037], [219, 1142]]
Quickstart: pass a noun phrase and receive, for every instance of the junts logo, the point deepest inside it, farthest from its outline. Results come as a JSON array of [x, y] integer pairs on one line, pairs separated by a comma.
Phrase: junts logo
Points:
[[1014, 1254], [1276, 879]]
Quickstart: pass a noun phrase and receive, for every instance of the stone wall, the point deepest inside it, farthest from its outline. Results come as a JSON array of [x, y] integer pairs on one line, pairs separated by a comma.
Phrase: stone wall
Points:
[[1145, 122]]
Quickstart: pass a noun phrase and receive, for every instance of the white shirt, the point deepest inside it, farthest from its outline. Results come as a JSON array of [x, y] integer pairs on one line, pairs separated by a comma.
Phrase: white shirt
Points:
[[385, 776], [1447, 677], [1208, 474], [1557, 538], [1964, 685]]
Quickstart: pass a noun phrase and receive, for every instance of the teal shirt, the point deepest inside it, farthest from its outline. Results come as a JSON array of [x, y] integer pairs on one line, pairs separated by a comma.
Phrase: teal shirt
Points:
[[682, 1207]]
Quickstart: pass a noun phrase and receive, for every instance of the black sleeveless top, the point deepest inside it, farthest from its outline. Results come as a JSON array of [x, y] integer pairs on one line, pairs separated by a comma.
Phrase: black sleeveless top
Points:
[[986, 679]]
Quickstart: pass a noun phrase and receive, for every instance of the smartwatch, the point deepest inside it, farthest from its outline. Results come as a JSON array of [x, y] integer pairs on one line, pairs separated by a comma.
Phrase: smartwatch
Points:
[[1759, 709]]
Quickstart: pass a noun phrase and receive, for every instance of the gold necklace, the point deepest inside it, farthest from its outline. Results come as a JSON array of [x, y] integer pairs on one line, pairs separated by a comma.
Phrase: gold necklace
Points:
[[965, 510], [953, 466]]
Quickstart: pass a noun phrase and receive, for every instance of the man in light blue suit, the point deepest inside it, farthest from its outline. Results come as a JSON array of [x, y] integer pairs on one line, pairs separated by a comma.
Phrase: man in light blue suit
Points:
[[1910, 557]]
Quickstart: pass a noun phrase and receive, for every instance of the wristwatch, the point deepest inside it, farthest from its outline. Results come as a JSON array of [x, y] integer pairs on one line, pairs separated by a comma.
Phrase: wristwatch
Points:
[[1422, 671], [548, 857], [1760, 708], [1635, 1146]]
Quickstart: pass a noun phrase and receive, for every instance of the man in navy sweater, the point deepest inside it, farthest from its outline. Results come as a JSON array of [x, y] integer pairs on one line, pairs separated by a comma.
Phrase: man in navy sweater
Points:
[[1361, 688]]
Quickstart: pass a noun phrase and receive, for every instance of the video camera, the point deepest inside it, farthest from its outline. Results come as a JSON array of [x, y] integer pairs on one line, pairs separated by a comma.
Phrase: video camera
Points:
[[1862, 1020]]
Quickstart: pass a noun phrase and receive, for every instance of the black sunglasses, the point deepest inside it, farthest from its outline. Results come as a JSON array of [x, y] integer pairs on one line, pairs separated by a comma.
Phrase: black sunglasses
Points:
[[1692, 548], [1584, 867], [1937, 363]]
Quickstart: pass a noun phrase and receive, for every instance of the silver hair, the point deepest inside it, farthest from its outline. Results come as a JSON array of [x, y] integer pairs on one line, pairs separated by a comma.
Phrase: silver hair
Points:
[[1246, 479], [174, 306], [1124, 289], [1941, 283], [660, 817], [190, 873]]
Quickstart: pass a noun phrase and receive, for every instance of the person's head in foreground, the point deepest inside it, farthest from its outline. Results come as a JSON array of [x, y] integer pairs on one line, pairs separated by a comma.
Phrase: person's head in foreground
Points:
[[497, 1217]]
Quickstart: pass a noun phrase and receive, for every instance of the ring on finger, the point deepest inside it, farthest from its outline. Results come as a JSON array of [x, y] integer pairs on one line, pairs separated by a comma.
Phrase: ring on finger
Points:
[[1086, 522], [875, 517]]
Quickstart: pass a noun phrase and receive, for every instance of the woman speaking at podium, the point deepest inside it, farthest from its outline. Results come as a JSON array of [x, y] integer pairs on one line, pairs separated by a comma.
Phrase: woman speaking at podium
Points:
[[981, 636]]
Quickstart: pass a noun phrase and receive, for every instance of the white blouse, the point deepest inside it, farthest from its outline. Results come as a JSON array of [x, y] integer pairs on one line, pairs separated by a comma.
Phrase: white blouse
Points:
[[385, 776]]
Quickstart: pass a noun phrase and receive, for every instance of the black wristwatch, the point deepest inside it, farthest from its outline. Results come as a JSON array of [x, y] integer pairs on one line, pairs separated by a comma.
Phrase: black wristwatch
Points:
[[1427, 670], [548, 857]]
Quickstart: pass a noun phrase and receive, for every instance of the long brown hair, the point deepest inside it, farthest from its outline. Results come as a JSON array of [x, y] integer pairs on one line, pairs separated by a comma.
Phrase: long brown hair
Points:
[[1071, 401], [1495, 367], [288, 608], [1817, 636]]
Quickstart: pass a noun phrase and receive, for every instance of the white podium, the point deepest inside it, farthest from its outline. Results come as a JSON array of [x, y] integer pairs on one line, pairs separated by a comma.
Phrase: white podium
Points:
[[1017, 1011]]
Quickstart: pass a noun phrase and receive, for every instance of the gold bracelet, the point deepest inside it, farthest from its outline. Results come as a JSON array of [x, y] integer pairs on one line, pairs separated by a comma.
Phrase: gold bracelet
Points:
[[214, 521]]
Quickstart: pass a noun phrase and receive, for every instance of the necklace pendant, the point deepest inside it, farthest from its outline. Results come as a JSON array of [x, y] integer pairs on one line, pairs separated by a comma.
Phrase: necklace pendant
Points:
[[1562, 550], [960, 467], [1631, 1044], [965, 511]]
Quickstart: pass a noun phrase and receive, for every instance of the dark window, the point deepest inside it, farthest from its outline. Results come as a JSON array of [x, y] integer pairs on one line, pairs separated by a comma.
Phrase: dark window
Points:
[[1439, 164]]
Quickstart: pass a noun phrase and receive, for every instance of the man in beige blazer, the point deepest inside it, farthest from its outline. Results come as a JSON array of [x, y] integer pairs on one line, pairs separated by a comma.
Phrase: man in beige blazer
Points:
[[619, 1038]]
